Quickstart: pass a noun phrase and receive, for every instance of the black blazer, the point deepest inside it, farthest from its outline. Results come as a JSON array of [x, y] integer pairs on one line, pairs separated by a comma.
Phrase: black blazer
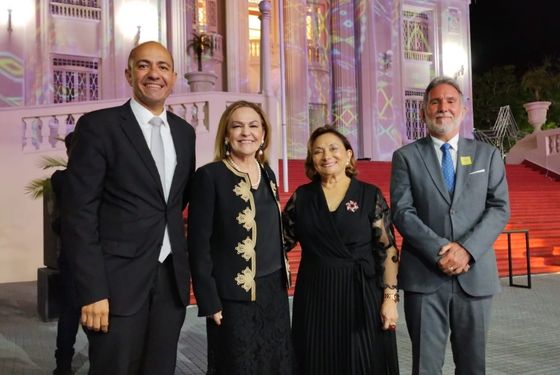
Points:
[[115, 212], [222, 235]]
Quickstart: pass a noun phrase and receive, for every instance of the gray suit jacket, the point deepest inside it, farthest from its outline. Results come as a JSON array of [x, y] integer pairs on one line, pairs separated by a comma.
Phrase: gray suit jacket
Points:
[[428, 217]]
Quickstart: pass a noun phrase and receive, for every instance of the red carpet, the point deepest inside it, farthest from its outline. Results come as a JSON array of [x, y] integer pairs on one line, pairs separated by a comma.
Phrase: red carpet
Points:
[[535, 205]]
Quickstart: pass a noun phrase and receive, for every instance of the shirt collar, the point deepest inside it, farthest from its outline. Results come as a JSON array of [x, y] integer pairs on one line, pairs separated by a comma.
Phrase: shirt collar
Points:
[[143, 115], [454, 142]]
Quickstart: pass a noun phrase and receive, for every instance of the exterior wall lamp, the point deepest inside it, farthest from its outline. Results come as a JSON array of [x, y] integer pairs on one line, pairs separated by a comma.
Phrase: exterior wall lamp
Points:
[[10, 28]]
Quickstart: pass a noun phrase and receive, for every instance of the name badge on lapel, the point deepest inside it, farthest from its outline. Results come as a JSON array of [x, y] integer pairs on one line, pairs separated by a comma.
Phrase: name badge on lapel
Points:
[[466, 160]]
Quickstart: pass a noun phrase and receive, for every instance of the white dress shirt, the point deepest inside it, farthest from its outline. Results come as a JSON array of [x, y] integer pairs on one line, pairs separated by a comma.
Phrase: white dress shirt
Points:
[[143, 115]]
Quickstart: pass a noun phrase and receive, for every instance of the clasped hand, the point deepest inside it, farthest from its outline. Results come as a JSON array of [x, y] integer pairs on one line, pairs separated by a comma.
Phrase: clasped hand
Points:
[[454, 259]]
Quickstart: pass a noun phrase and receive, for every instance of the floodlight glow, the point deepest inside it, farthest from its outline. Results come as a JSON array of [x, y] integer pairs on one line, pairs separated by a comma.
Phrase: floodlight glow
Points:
[[138, 19], [454, 60], [17, 12]]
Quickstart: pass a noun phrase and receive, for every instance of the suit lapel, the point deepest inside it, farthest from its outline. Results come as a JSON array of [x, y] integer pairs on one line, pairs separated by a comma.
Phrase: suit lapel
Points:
[[180, 151], [465, 156], [132, 130], [428, 155]]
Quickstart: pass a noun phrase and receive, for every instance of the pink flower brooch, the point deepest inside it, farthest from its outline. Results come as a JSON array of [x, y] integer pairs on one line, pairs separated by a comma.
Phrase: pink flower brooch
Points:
[[352, 206]]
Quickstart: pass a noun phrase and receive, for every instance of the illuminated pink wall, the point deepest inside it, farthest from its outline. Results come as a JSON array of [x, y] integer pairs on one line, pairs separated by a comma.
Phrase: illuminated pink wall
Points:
[[352, 71]]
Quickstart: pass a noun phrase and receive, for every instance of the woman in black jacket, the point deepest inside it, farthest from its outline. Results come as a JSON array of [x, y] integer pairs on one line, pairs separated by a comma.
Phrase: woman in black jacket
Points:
[[239, 269]]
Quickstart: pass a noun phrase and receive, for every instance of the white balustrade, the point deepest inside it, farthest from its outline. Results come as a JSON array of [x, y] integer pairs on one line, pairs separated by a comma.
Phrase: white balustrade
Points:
[[553, 144], [76, 11], [43, 127], [418, 56]]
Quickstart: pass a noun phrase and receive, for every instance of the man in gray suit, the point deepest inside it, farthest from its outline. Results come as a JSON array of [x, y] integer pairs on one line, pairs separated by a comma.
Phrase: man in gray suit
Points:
[[449, 201]]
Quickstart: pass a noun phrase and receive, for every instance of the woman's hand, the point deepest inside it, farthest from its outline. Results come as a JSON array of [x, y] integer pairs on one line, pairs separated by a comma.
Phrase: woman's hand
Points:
[[389, 314], [217, 317]]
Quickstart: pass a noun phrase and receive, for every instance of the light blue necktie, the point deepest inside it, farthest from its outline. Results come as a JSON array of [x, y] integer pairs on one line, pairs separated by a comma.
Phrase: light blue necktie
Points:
[[447, 167]]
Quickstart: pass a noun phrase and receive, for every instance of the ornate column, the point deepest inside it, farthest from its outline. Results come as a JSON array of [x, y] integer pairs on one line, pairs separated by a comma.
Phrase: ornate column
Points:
[[178, 35], [265, 7], [236, 45], [297, 121], [344, 44]]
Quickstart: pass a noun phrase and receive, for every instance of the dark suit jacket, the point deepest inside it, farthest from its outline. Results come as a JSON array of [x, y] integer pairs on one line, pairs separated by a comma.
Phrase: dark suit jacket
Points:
[[115, 212], [428, 217], [222, 236]]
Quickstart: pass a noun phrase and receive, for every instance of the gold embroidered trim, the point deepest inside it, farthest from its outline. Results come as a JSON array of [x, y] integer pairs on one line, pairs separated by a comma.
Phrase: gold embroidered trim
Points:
[[246, 279], [246, 248], [247, 219], [243, 190]]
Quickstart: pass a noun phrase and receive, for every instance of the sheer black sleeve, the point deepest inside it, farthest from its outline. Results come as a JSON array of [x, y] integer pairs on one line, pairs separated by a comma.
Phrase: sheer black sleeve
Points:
[[388, 257], [288, 224]]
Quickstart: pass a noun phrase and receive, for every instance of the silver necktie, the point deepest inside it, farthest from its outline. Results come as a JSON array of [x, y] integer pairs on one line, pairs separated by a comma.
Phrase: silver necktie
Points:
[[156, 147]]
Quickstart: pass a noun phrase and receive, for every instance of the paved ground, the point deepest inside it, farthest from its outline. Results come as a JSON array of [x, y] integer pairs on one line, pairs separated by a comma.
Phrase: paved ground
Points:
[[523, 337]]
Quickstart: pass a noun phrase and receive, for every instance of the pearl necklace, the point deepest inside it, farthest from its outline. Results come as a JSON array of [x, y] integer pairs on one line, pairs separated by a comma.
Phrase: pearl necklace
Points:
[[237, 168]]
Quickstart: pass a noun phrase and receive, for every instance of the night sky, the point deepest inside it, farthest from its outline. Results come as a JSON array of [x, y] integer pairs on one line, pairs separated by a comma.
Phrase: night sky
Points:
[[516, 32]]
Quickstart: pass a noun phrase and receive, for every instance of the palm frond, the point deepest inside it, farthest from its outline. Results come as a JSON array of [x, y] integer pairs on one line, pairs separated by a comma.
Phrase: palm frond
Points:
[[38, 187], [48, 162], [41, 186]]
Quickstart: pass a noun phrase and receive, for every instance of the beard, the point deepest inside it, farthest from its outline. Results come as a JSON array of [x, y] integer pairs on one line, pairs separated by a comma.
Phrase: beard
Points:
[[443, 128]]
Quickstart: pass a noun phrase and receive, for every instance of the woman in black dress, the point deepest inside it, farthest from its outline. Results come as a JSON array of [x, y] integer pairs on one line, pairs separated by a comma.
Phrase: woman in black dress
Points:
[[345, 302], [238, 266]]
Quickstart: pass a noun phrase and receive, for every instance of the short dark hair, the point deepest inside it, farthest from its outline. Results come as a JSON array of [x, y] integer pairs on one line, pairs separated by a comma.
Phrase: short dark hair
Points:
[[310, 170]]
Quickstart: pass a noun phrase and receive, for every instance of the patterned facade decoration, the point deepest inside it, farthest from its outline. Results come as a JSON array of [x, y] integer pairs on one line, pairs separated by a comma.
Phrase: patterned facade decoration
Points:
[[388, 117], [297, 79], [353, 63], [318, 62], [343, 54], [11, 79]]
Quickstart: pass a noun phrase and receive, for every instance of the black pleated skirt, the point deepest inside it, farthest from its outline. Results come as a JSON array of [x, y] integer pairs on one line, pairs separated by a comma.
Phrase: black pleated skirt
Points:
[[254, 337], [337, 325]]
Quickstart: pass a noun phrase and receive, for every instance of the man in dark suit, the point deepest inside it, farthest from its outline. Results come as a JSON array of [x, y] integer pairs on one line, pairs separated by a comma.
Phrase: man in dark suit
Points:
[[449, 200], [128, 175]]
